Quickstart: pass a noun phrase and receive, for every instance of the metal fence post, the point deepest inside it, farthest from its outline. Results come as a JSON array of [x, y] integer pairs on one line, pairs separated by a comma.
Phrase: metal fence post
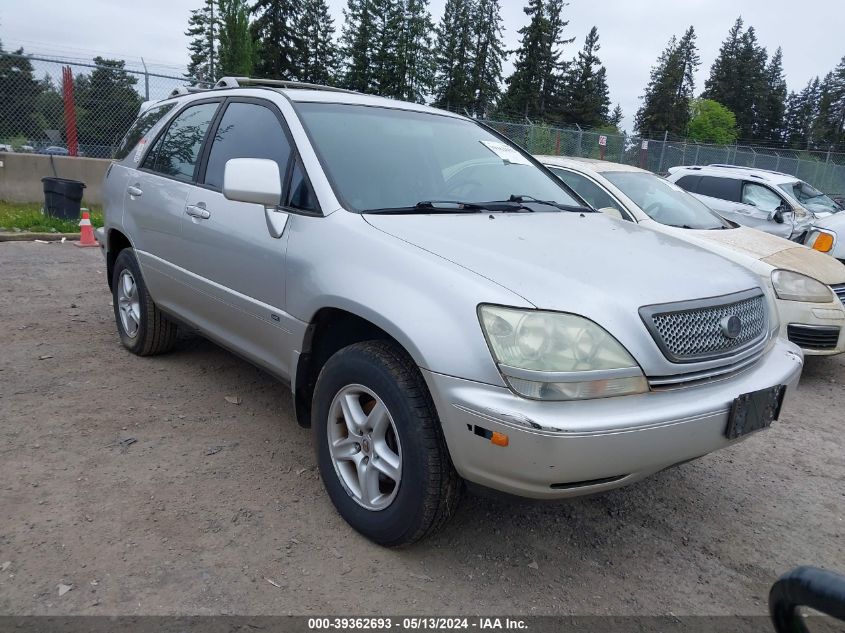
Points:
[[146, 81], [777, 162], [663, 151], [580, 138]]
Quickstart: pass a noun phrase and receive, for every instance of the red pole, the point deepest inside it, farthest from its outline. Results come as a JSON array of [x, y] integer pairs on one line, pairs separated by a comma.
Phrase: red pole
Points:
[[601, 152], [70, 111], [557, 145]]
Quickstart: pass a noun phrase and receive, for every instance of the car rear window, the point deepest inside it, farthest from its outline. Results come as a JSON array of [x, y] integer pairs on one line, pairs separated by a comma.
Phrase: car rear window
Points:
[[143, 124]]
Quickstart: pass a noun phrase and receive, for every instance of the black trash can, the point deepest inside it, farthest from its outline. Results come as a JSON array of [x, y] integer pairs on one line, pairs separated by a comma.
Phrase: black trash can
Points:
[[62, 197]]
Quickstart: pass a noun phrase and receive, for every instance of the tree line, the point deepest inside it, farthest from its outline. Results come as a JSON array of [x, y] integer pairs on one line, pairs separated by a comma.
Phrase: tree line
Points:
[[394, 48]]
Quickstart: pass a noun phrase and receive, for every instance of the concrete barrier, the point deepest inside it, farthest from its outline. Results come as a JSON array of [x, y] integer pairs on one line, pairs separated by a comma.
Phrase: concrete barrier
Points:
[[21, 174]]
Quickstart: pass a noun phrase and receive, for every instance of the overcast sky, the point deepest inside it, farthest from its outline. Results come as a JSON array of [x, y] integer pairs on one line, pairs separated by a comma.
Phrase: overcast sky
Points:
[[632, 32]]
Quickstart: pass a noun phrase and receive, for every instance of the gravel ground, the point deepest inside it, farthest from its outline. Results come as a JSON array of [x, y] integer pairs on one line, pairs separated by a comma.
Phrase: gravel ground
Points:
[[217, 507]]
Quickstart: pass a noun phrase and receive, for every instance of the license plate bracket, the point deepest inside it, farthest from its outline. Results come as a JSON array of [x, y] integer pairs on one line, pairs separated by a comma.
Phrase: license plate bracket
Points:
[[754, 411]]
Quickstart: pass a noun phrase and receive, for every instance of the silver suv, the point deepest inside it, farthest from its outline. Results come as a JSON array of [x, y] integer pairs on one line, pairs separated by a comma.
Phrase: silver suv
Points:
[[443, 308]]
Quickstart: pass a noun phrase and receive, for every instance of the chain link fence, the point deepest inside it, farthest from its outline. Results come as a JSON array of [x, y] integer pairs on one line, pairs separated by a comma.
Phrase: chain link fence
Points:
[[45, 103], [823, 170]]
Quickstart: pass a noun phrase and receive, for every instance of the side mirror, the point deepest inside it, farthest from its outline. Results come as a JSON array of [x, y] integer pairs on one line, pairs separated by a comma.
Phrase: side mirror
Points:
[[612, 212], [255, 180]]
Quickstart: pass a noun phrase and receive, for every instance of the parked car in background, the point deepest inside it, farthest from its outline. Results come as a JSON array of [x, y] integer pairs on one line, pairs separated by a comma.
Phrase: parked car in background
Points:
[[751, 197], [55, 150], [435, 298], [6, 148], [802, 280]]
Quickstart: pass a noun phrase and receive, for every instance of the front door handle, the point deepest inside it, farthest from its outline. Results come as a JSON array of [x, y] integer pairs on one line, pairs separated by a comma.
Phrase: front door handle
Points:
[[197, 211], [134, 191]]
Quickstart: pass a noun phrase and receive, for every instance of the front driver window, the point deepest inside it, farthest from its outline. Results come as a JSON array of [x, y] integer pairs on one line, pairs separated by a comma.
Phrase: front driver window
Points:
[[761, 197], [586, 188]]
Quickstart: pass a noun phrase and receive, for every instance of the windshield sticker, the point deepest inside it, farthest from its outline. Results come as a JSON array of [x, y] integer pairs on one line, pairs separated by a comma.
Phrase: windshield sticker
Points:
[[506, 153], [139, 150]]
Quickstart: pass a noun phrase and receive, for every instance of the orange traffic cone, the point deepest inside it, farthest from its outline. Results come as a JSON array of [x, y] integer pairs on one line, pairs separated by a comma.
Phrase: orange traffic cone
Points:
[[86, 231]]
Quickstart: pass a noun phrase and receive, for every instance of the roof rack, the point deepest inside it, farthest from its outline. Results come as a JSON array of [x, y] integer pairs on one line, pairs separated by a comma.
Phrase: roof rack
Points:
[[179, 91], [767, 171], [241, 82]]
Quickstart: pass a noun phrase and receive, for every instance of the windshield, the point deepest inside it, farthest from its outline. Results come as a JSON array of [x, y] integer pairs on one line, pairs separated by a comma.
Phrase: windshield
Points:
[[664, 201], [809, 197], [381, 158]]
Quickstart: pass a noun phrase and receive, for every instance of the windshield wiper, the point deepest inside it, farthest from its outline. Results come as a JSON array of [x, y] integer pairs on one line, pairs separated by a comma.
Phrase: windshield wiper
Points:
[[432, 206], [522, 198]]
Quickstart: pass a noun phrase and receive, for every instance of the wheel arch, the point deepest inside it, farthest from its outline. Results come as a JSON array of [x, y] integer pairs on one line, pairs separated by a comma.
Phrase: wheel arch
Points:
[[116, 241], [330, 330]]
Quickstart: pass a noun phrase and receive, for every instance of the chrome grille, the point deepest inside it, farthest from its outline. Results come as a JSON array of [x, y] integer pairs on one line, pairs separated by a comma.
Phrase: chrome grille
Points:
[[691, 331], [840, 291]]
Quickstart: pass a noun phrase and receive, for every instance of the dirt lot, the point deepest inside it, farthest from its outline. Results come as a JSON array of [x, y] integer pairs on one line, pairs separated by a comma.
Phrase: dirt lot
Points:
[[217, 507]]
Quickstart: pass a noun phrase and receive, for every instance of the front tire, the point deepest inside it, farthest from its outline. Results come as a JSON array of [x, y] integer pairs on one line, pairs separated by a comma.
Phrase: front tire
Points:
[[144, 330], [380, 450]]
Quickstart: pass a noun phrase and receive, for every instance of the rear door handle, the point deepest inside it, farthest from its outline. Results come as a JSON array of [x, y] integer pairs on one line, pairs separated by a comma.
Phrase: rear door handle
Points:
[[134, 191], [197, 211]]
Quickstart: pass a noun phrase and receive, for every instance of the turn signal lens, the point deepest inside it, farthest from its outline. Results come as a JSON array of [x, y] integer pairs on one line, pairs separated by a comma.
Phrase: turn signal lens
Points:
[[823, 243], [499, 439]]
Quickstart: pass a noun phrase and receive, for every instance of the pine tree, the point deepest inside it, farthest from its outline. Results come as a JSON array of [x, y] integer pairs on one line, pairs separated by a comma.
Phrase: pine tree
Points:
[[454, 59], [356, 45], [533, 87], [801, 112], [554, 70], [737, 78], [666, 102], [385, 59], [236, 51], [837, 104], [488, 54], [203, 30], [615, 118], [279, 42], [773, 105], [416, 59], [318, 58], [586, 95]]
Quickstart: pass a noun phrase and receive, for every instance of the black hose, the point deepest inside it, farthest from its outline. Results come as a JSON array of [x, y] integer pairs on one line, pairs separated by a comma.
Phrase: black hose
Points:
[[811, 587]]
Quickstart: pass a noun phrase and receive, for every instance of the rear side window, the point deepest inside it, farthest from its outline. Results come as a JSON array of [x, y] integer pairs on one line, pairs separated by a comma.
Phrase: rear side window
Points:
[[247, 130], [142, 125], [689, 183], [177, 151], [722, 188], [597, 197]]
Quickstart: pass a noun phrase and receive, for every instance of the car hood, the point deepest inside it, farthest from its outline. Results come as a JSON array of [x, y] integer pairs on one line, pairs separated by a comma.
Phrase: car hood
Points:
[[777, 252], [584, 263]]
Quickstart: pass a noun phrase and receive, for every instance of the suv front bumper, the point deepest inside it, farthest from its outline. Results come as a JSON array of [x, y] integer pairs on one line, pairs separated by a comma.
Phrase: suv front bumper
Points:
[[565, 449]]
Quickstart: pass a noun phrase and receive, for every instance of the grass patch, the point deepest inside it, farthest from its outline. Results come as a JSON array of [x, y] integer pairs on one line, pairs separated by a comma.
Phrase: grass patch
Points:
[[24, 216]]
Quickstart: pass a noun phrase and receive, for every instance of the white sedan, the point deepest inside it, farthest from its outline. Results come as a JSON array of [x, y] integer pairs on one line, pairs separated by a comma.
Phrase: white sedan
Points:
[[804, 282]]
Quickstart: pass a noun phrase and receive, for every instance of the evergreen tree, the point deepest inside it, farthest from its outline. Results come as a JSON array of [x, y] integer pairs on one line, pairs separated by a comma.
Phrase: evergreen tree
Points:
[[737, 78], [773, 105], [203, 30], [279, 42], [586, 95], [453, 88], [801, 111], [19, 92], [318, 61], [534, 86], [385, 59], [416, 61], [356, 45], [837, 104], [666, 102], [615, 118], [489, 52], [108, 102], [236, 51]]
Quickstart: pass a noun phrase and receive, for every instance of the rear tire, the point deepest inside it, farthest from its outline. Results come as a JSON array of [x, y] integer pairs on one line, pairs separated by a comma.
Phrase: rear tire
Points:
[[144, 330], [394, 449]]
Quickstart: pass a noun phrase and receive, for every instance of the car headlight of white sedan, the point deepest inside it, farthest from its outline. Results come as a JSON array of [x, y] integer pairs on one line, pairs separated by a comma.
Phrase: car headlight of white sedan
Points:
[[792, 286], [558, 356]]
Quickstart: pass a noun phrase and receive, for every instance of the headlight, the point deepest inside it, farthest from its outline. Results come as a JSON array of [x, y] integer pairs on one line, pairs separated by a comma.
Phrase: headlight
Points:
[[792, 286], [556, 356], [820, 240]]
